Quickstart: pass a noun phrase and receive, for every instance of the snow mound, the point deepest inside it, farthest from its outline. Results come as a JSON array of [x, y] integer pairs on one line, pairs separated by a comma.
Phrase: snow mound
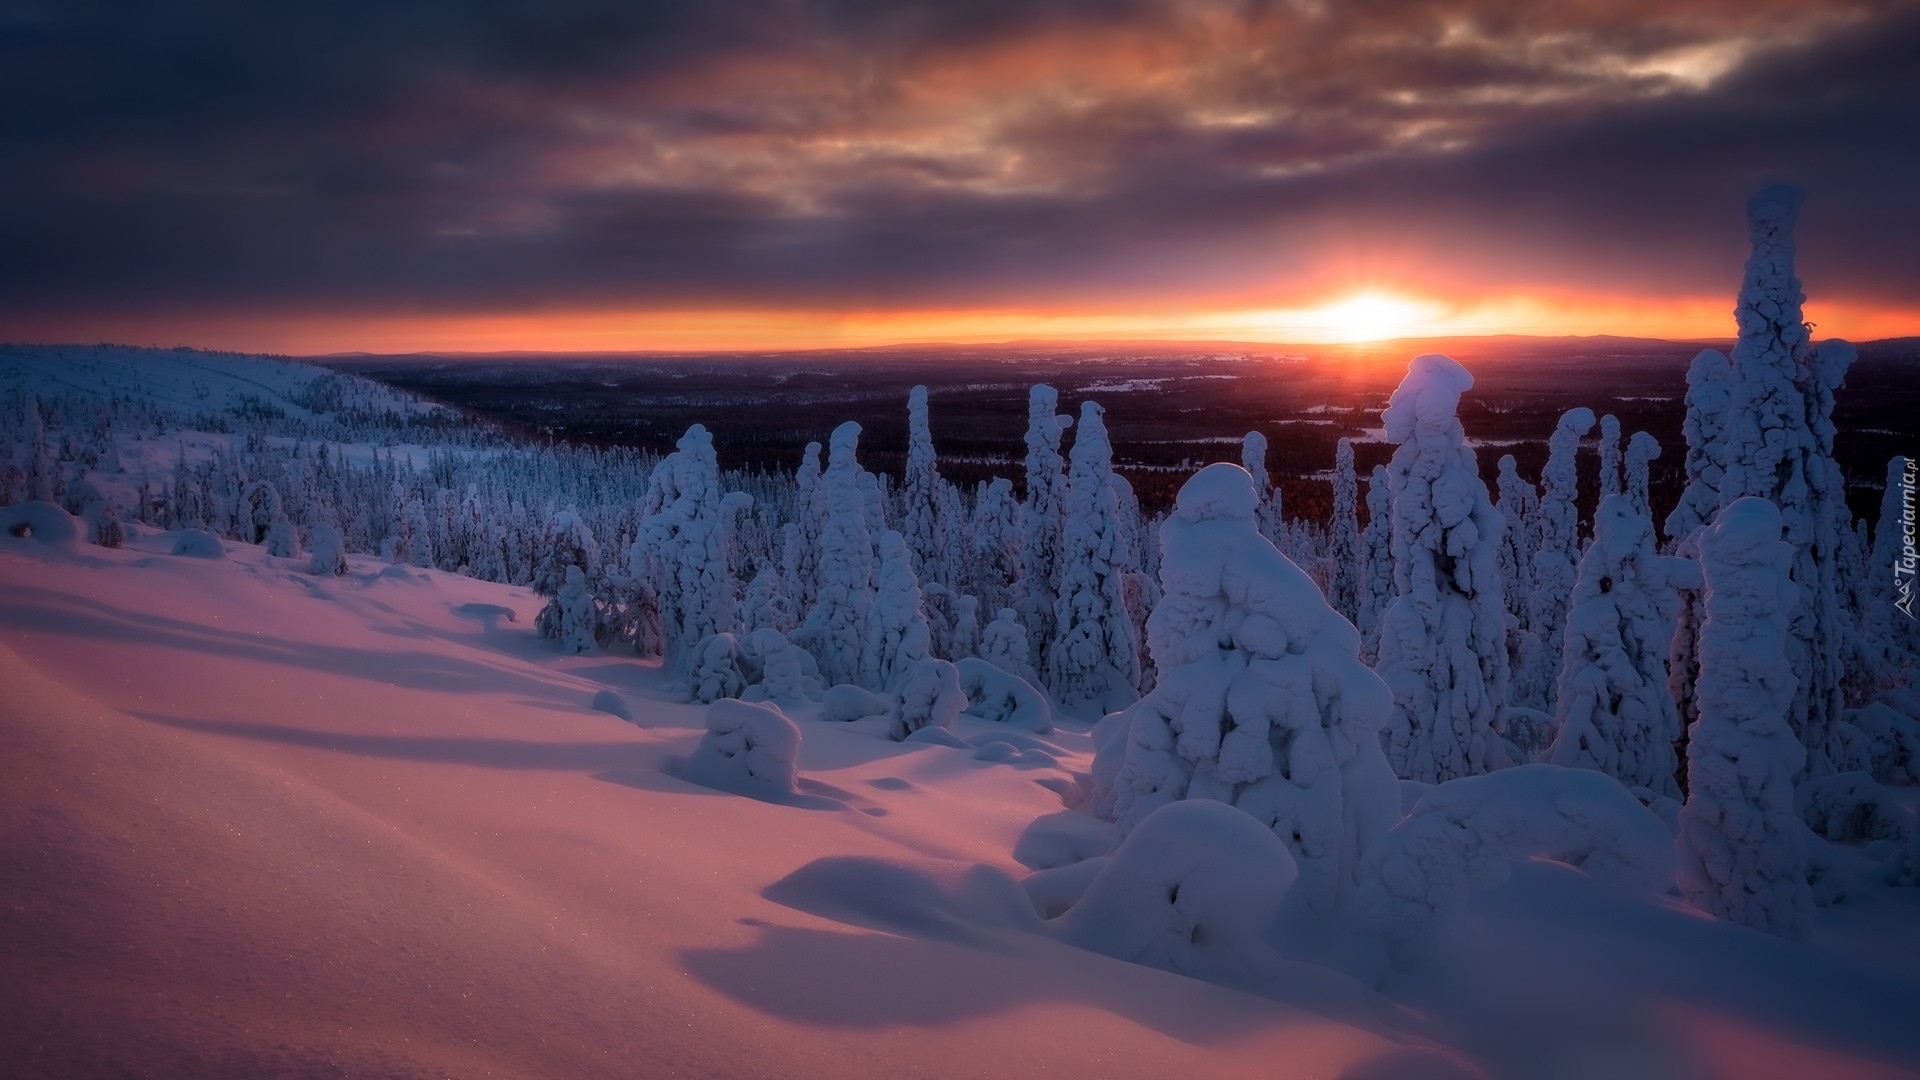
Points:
[[1003, 697], [43, 523], [198, 544], [929, 695], [749, 749], [1461, 836], [1193, 888], [1851, 808], [1062, 839], [611, 703], [847, 702]]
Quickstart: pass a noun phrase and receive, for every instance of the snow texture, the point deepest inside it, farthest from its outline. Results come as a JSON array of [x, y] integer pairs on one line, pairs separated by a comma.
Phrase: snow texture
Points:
[[1262, 701], [1614, 711], [1003, 697], [1094, 661], [1743, 855], [1193, 888], [1464, 834], [748, 749], [1443, 651]]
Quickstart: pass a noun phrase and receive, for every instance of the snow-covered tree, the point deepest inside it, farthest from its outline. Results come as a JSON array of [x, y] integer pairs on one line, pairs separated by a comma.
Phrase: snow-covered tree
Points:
[[1743, 850], [1041, 516], [1610, 456], [1253, 457], [809, 514], [686, 545], [1614, 712], [1780, 448], [1443, 639], [921, 494], [1519, 505], [1004, 645], [1558, 551], [1262, 701], [897, 633], [567, 542], [837, 623], [1376, 549], [1094, 660], [329, 555], [1642, 450], [44, 478], [573, 619], [1709, 411], [1343, 544], [994, 558]]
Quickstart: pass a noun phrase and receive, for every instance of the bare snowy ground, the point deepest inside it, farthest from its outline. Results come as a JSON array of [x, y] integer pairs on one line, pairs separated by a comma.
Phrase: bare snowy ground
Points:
[[258, 823]]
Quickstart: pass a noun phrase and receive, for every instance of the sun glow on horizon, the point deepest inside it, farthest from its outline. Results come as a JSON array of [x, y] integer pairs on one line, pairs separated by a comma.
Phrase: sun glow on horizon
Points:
[[1372, 316]]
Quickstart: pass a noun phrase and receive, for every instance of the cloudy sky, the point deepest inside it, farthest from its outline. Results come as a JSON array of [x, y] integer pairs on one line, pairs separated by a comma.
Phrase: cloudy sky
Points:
[[756, 173]]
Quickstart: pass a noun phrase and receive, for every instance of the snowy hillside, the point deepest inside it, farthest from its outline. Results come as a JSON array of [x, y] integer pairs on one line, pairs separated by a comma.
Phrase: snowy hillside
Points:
[[261, 822]]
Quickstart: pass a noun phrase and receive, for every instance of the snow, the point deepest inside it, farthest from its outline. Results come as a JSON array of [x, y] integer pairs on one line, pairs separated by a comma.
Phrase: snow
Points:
[[1093, 664], [198, 544], [749, 749], [43, 523], [1003, 697]]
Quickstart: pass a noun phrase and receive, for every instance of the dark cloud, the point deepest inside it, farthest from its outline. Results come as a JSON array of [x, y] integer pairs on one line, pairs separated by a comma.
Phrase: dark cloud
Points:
[[225, 156]]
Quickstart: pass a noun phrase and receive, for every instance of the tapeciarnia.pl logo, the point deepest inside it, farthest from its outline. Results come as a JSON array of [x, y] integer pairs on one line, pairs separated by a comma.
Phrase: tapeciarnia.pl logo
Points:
[[1903, 562]]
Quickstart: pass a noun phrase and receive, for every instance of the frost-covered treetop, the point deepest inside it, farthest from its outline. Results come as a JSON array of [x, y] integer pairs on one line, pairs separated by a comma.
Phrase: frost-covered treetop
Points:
[[1220, 490], [1770, 296], [1427, 398]]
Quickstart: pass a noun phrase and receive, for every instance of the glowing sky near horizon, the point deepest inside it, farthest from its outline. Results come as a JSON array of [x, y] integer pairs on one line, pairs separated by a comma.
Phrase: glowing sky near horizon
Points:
[[749, 174]]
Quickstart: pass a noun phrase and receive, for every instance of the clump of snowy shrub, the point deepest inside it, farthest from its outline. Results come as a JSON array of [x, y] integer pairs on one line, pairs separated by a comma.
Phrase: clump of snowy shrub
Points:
[[1262, 702], [1464, 834], [573, 614], [1003, 697], [198, 544], [1193, 888], [927, 695], [758, 666], [328, 558], [749, 749], [1850, 808]]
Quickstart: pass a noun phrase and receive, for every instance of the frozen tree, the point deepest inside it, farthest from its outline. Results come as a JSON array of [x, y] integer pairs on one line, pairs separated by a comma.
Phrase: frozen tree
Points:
[[281, 541], [567, 542], [897, 633], [260, 508], [1559, 548], [810, 511], [44, 480], [1519, 506], [1780, 448], [329, 555], [921, 495], [1614, 712], [1376, 549], [1262, 701], [768, 601], [966, 626], [1743, 850], [748, 749], [688, 543], [1443, 646], [1004, 645], [1343, 545], [994, 544], [573, 618], [1610, 456], [1094, 659], [1642, 450], [1709, 411], [1041, 516], [837, 624], [927, 694], [1253, 457]]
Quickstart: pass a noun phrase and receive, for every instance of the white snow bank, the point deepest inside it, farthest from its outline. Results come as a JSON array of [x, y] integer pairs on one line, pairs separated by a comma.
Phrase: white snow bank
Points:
[[198, 544], [43, 523], [1193, 888], [1463, 834], [996, 694], [749, 749]]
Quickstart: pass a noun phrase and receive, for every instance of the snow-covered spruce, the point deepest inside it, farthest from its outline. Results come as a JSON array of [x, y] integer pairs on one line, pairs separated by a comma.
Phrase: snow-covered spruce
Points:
[[1004, 645], [1262, 701], [761, 665], [1041, 517], [1519, 506], [1615, 714], [836, 626], [1642, 450], [1343, 535], [686, 547], [1093, 665], [1376, 550], [927, 695], [923, 520], [998, 695], [1780, 448], [897, 635], [328, 556], [573, 618], [1743, 850], [1610, 456], [1253, 458], [1709, 411], [1194, 888], [1464, 834], [1557, 551], [748, 749], [1443, 649]]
